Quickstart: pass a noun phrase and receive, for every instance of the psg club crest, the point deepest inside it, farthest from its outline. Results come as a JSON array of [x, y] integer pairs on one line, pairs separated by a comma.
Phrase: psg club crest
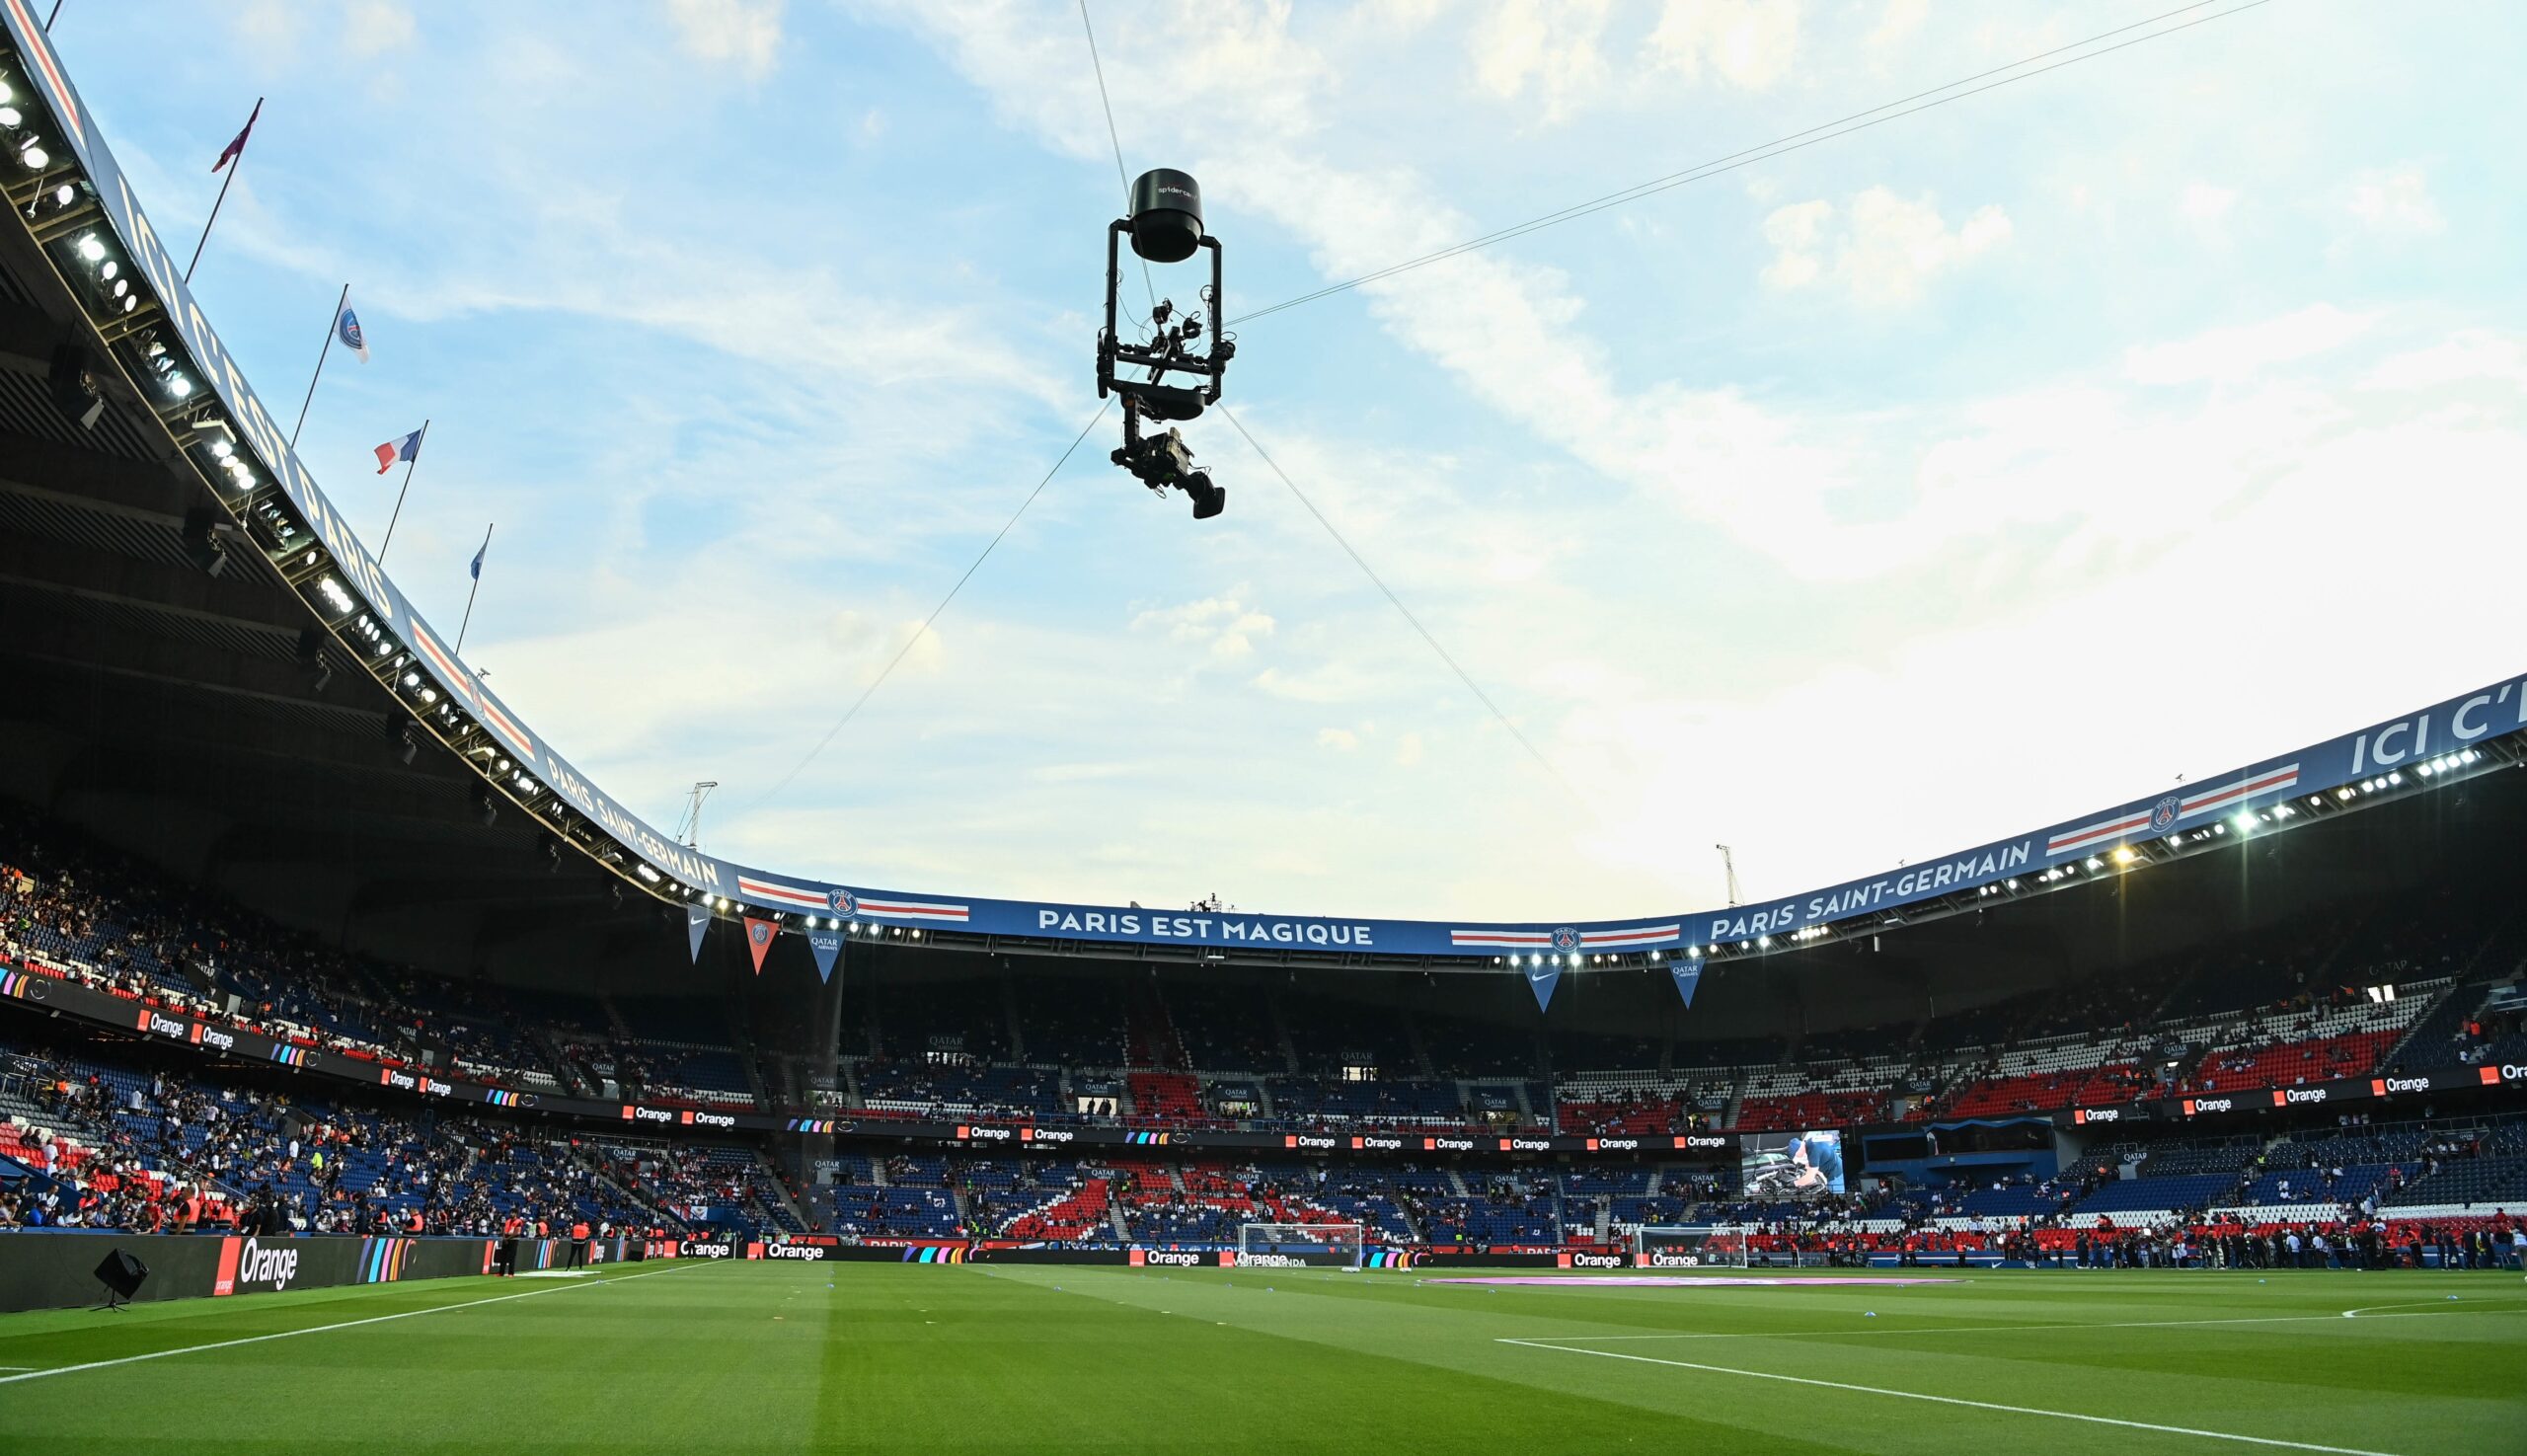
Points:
[[759, 933], [352, 334], [2163, 814], [842, 902], [1567, 938]]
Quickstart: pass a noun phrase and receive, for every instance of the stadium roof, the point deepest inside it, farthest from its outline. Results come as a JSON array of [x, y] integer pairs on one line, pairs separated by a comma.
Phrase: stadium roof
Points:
[[257, 714]]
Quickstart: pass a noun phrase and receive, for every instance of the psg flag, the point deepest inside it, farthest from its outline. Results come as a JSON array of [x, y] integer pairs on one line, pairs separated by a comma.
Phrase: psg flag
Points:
[[347, 328], [759, 934], [237, 148], [697, 920]]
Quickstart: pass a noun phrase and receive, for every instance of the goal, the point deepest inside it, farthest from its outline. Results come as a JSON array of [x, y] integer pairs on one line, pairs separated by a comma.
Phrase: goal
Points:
[[1688, 1246], [1299, 1245]]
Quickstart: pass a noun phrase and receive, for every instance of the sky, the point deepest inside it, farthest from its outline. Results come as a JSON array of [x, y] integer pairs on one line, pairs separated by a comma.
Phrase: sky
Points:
[[1924, 485]]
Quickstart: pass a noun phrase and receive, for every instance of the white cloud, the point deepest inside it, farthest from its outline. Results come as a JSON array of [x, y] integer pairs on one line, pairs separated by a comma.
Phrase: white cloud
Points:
[[1887, 254], [2226, 355], [373, 27], [1339, 738], [744, 33], [1747, 44], [2205, 202], [1797, 235], [270, 27], [1554, 46], [1222, 626], [2470, 357], [1896, 24], [2204, 209], [2394, 202]]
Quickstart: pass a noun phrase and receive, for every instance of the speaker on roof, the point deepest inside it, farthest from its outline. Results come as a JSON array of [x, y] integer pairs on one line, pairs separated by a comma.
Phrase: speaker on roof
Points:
[[77, 387]]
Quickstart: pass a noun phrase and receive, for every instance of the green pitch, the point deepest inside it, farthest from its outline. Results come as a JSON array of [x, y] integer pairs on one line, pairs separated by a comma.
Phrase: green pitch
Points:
[[891, 1357]]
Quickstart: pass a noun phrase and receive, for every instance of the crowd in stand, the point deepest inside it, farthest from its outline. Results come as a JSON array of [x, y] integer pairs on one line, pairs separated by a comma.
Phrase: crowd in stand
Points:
[[155, 1153], [158, 1151], [82, 910]]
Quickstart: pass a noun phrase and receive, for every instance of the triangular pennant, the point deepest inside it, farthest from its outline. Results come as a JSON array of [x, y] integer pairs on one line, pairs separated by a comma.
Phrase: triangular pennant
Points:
[[826, 944], [1688, 974], [759, 934], [697, 920], [1541, 978]]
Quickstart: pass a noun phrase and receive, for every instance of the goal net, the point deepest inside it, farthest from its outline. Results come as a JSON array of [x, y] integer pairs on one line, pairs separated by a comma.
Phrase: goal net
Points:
[[1688, 1246], [1299, 1245]]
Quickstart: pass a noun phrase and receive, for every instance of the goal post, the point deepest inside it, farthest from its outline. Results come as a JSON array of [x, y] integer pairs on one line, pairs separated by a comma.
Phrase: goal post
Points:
[[1688, 1246], [1300, 1245]]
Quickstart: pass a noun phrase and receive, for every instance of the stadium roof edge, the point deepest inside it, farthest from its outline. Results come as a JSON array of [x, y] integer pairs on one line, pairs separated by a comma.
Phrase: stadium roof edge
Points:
[[80, 212]]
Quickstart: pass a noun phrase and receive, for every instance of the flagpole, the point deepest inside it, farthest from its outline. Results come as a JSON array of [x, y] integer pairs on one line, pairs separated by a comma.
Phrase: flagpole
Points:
[[408, 467], [234, 167], [332, 325], [469, 592]]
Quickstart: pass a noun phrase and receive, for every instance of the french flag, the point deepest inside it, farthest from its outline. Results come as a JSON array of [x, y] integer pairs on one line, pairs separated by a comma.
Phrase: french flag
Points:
[[407, 448]]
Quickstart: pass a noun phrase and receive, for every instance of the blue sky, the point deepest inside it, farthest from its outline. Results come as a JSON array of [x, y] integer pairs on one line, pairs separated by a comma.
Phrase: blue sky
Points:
[[1924, 485]]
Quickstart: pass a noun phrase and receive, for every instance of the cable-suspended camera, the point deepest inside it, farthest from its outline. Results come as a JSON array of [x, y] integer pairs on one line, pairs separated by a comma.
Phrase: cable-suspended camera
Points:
[[1165, 226]]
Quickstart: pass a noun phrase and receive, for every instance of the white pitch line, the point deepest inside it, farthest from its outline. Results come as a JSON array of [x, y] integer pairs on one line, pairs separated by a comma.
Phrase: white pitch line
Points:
[[160, 1354], [2435, 1306], [1915, 1395], [2012, 1329]]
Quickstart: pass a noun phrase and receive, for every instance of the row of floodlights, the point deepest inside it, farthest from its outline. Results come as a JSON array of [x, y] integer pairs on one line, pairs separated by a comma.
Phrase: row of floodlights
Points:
[[1575, 958], [112, 274], [832, 922], [20, 138]]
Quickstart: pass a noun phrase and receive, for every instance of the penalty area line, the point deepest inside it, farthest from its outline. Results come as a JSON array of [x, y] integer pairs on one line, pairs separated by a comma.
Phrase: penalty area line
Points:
[[1915, 1395], [189, 1349]]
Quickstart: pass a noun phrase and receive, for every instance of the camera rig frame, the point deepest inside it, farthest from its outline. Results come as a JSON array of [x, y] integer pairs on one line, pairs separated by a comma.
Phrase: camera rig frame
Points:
[[1162, 461]]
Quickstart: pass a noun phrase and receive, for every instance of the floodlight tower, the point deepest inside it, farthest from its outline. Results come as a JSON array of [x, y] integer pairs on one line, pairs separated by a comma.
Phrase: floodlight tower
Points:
[[1165, 226]]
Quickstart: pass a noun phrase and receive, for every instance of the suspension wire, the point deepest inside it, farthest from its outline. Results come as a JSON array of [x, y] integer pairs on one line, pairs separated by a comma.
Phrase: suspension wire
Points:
[[924, 628], [1397, 602], [1121, 173], [1795, 141]]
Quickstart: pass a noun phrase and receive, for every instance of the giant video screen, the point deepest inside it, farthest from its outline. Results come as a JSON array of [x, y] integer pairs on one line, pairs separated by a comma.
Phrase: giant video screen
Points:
[[1791, 1167]]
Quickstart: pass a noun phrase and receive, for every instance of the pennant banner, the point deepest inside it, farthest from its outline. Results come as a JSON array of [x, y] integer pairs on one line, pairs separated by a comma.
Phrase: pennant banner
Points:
[[1541, 980], [697, 919], [759, 934], [826, 944], [1688, 974]]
